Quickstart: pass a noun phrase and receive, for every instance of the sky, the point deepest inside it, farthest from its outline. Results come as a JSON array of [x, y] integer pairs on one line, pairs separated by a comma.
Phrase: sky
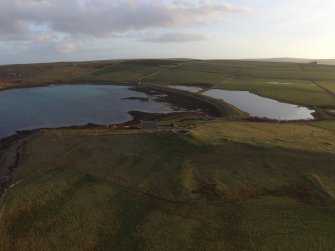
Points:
[[33, 31]]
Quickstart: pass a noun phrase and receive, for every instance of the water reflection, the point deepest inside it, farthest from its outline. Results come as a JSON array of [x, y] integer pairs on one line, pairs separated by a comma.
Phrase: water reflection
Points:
[[261, 107], [56, 106]]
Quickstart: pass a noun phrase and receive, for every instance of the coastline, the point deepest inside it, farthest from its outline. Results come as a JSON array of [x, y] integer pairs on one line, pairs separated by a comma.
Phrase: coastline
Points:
[[60, 83], [320, 114], [13, 144], [10, 146], [211, 108], [10, 156]]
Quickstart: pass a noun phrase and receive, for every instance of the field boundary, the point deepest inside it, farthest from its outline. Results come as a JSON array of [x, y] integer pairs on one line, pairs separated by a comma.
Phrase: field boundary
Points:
[[164, 69], [322, 87]]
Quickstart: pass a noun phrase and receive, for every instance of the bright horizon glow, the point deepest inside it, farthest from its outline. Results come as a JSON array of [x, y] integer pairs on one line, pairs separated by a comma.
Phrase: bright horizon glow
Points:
[[33, 31]]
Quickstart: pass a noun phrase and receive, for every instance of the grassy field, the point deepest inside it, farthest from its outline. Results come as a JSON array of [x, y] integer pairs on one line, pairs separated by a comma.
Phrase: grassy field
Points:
[[287, 82], [329, 85], [259, 69], [38, 73], [193, 73], [329, 125], [301, 92], [313, 136], [311, 73], [203, 66], [124, 72], [225, 186], [180, 76]]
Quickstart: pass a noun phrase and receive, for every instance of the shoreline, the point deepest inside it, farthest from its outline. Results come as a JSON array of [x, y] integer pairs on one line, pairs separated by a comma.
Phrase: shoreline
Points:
[[17, 140], [10, 158], [222, 108], [188, 102], [61, 83], [320, 113], [211, 106]]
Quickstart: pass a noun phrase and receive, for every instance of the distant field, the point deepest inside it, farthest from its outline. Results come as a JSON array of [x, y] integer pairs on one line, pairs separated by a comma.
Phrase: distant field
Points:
[[299, 60], [285, 82], [278, 70], [327, 61], [123, 72], [38, 73], [256, 64], [300, 92], [203, 66], [254, 76], [313, 74], [227, 185], [180, 76]]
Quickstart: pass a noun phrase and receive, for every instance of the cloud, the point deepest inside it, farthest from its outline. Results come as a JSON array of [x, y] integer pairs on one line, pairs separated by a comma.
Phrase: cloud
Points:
[[45, 29], [176, 38], [44, 37], [103, 18], [66, 48]]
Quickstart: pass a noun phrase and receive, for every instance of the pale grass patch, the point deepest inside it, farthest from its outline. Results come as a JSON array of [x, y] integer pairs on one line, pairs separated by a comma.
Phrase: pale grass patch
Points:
[[289, 135]]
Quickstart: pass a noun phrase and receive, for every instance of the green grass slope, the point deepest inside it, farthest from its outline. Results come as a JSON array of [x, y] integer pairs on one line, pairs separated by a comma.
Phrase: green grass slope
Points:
[[123, 72], [215, 189]]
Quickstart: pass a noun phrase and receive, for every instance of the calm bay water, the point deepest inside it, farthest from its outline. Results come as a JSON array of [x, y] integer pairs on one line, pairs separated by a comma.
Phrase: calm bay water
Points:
[[67, 105], [261, 107]]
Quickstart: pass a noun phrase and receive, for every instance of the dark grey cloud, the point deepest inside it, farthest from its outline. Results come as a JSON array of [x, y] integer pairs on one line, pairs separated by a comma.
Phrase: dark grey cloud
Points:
[[22, 19]]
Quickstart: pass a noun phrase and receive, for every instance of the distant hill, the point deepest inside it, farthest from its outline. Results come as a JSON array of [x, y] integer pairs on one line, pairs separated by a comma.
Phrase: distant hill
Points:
[[296, 60], [326, 61]]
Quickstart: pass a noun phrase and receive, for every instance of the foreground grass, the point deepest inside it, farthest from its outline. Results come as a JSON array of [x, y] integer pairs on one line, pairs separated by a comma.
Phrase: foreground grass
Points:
[[74, 211], [227, 186], [329, 125]]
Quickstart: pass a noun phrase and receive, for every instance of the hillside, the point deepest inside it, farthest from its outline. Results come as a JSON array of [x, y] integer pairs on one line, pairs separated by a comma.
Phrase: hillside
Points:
[[226, 185], [296, 60], [326, 61]]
